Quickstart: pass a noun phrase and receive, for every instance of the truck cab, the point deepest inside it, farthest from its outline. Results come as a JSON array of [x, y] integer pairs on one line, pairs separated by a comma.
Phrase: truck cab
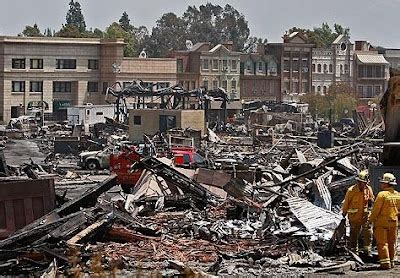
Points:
[[187, 157]]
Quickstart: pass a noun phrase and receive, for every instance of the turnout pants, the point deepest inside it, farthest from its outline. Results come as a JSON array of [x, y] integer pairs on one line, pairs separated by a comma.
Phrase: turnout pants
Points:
[[364, 230], [386, 241]]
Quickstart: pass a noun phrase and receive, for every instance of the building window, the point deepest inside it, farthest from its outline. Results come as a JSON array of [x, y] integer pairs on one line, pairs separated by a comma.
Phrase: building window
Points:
[[369, 93], [313, 88], [286, 87], [313, 67], [162, 85], [325, 68], [341, 68], [360, 91], [205, 64], [377, 89], [225, 85], [18, 86], [260, 66], [205, 84], [66, 64], [167, 122], [92, 87], [215, 84], [137, 120], [193, 85], [346, 68], [234, 65], [330, 68], [319, 68], [224, 64], [325, 89], [62, 87], [233, 85], [286, 65], [295, 87], [125, 84], [215, 64], [179, 65], [105, 86], [36, 86], [304, 87], [296, 65], [18, 63], [36, 63], [248, 66], [319, 89], [93, 64]]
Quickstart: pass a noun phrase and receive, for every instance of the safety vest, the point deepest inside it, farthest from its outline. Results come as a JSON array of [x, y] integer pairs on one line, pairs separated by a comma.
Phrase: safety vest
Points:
[[386, 209], [356, 203]]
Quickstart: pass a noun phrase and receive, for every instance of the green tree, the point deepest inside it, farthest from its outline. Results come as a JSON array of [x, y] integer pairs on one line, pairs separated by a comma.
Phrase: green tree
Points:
[[212, 23], [31, 31], [169, 33], [322, 36], [339, 100], [69, 31], [115, 31], [252, 44], [124, 22], [48, 32], [75, 17]]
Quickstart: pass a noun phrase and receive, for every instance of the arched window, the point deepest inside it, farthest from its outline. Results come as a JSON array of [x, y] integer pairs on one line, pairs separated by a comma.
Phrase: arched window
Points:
[[330, 68], [319, 68], [313, 67], [325, 89], [313, 89], [325, 68], [319, 89]]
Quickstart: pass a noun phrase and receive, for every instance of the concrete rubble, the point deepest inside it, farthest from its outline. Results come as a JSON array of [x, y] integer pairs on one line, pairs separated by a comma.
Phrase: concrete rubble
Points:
[[266, 201]]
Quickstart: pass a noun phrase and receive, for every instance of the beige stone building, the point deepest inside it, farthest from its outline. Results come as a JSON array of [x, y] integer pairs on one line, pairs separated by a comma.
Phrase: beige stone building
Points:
[[202, 66], [60, 72], [150, 121]]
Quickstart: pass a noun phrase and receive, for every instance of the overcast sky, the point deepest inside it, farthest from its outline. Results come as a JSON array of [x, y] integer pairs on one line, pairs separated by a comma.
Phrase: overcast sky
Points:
[[372, 20]]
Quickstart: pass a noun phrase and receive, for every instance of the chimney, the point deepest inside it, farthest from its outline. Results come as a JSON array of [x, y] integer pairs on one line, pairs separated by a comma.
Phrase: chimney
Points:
[[362, 45], [228, 45]]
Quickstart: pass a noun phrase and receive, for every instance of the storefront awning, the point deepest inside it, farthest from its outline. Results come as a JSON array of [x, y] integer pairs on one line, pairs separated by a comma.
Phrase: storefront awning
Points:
[[376, 59]]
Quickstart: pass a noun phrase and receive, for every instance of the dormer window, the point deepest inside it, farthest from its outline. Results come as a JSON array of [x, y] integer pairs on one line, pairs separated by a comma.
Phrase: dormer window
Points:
[[343, 46]]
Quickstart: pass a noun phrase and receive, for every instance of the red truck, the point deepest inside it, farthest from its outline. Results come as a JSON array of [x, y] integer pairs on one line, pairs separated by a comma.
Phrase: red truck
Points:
[[121, 162]]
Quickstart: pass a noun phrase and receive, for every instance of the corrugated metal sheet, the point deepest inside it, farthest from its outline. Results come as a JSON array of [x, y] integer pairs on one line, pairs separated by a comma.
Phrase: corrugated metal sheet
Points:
[[23, 201], [313, 217], [372, 59]]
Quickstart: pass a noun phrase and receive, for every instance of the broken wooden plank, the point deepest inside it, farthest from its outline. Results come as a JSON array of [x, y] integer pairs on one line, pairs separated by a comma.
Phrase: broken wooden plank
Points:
[[91, 230], [122, 234]]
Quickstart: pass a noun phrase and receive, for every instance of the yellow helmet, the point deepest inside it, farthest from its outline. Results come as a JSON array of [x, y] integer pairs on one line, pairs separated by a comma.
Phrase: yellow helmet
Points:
[[388, 178], [363, 176]]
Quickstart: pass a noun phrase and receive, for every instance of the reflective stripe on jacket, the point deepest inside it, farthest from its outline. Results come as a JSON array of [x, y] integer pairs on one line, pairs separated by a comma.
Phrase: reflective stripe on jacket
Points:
[[356, 202], [386, 208]]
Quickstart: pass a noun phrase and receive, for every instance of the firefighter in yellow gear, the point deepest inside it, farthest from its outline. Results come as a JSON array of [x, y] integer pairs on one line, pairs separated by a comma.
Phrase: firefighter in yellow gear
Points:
[[384, 217], [355, 206]]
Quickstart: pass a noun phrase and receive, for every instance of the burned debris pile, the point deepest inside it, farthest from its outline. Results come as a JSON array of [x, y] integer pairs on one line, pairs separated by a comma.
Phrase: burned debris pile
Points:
[[256, 203]]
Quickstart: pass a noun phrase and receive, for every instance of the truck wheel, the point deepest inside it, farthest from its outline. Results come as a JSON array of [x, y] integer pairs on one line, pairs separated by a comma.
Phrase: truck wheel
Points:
[[92, 165]]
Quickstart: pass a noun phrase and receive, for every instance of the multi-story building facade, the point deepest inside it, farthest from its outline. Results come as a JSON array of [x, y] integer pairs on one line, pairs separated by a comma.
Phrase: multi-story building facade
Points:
[[59, 72], [331, 65], [392, 55], [294, 57], [371, 71], [218, 67], [259, 79]]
